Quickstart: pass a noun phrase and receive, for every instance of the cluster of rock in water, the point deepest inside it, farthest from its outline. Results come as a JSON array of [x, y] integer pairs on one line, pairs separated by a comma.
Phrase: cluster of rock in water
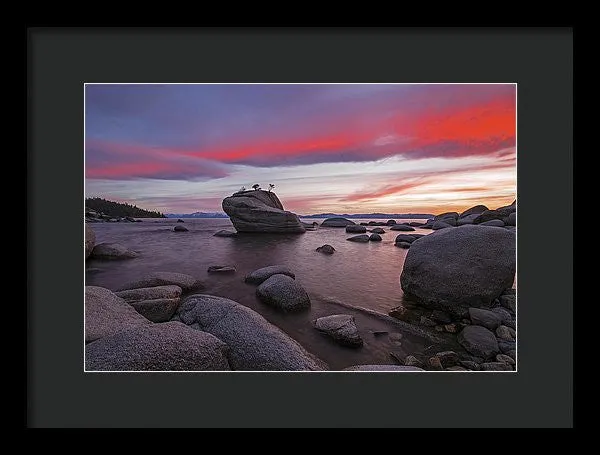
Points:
[[458, 282]]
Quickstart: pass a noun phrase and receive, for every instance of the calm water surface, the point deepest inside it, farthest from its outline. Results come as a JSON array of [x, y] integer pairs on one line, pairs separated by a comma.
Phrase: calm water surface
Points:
[[359, 274]]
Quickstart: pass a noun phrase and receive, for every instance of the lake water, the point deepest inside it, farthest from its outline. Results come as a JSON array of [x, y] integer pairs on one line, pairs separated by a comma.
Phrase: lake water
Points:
[[359, 274]]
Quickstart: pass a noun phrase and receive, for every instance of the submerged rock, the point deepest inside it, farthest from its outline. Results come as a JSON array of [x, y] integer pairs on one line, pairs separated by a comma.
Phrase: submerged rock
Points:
[[180, 229], [378, 230], [107, 314], [221, 269], [260, 275], [186, 282], [326, 249], [254, 343], [454, 269], [341, 327], [283, 292], [375, 238], [112, 251], [225, 233], [401, 227], [359, 238], [170, 346], [404, 245], [260, 211], [356, 229]]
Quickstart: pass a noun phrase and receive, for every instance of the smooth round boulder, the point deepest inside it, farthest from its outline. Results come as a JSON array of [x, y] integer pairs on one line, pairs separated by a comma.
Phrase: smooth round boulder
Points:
[[469, 219], [401, 227], [509, 301], [378, 230], [390, 222], [186, 282], [107, 314], [439, 224], [454, 269], [359, 238], [479, 341], [375, 238], [180, 229], [511, 220], [356, 229], [283, 292], [341, 327], [254, 343], [112, 251], [403, 245], [336, 222], [409, 238], [326, 249], [383, 368], [260, 275], [169, 346], [90, 240]]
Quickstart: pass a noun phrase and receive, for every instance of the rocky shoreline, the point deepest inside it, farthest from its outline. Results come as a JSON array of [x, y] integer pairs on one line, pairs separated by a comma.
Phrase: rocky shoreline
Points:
[[457, 282]]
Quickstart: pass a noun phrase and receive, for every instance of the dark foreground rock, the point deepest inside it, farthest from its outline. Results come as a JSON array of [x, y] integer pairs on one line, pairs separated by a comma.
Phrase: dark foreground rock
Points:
[[458, 268], [170, 346], [382, 368], [403, 244], [356, 229], [106, 314], [486, 318], [363, 238], [476, 210], [341, 327], [156, 292], [375, 238], [496, 366], [260, 211], [254, 343], [225, 233], [283, 292], [326, 249], [157, 310], [90, 240], [112, 251], [479, 341], [260, 275], [494, 223], [439, 224], [186, 282], [337, 222]]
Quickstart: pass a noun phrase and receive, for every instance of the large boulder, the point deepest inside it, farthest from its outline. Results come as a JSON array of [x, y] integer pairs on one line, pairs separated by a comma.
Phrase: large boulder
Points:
[[106, 314], [378, 230], [260, 211], [446, 215], [156, 292], [409, 238], [283, 292], [493, 223], [486, 318], [439, 224], [501, 213], [340, 327], [254, 343], [186, 282], [476, 210], [170, 346], [337, 222], [260, 275], [468, 219], [375, 238], [355, 229], [511, 220], [454, 269], [90, 240], [112, 251], [156, 310]]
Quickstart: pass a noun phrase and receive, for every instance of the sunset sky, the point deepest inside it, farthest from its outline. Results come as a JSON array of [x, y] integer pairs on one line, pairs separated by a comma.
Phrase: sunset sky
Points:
[[326, 148]]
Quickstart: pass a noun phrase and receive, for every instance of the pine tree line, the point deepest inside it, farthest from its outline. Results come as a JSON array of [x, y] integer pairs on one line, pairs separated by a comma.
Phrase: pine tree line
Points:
[[119, 210]]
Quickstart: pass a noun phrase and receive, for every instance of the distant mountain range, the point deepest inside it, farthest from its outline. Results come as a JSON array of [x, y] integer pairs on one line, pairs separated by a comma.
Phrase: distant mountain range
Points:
[[318, 215], [372, 215], [197, 215]]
